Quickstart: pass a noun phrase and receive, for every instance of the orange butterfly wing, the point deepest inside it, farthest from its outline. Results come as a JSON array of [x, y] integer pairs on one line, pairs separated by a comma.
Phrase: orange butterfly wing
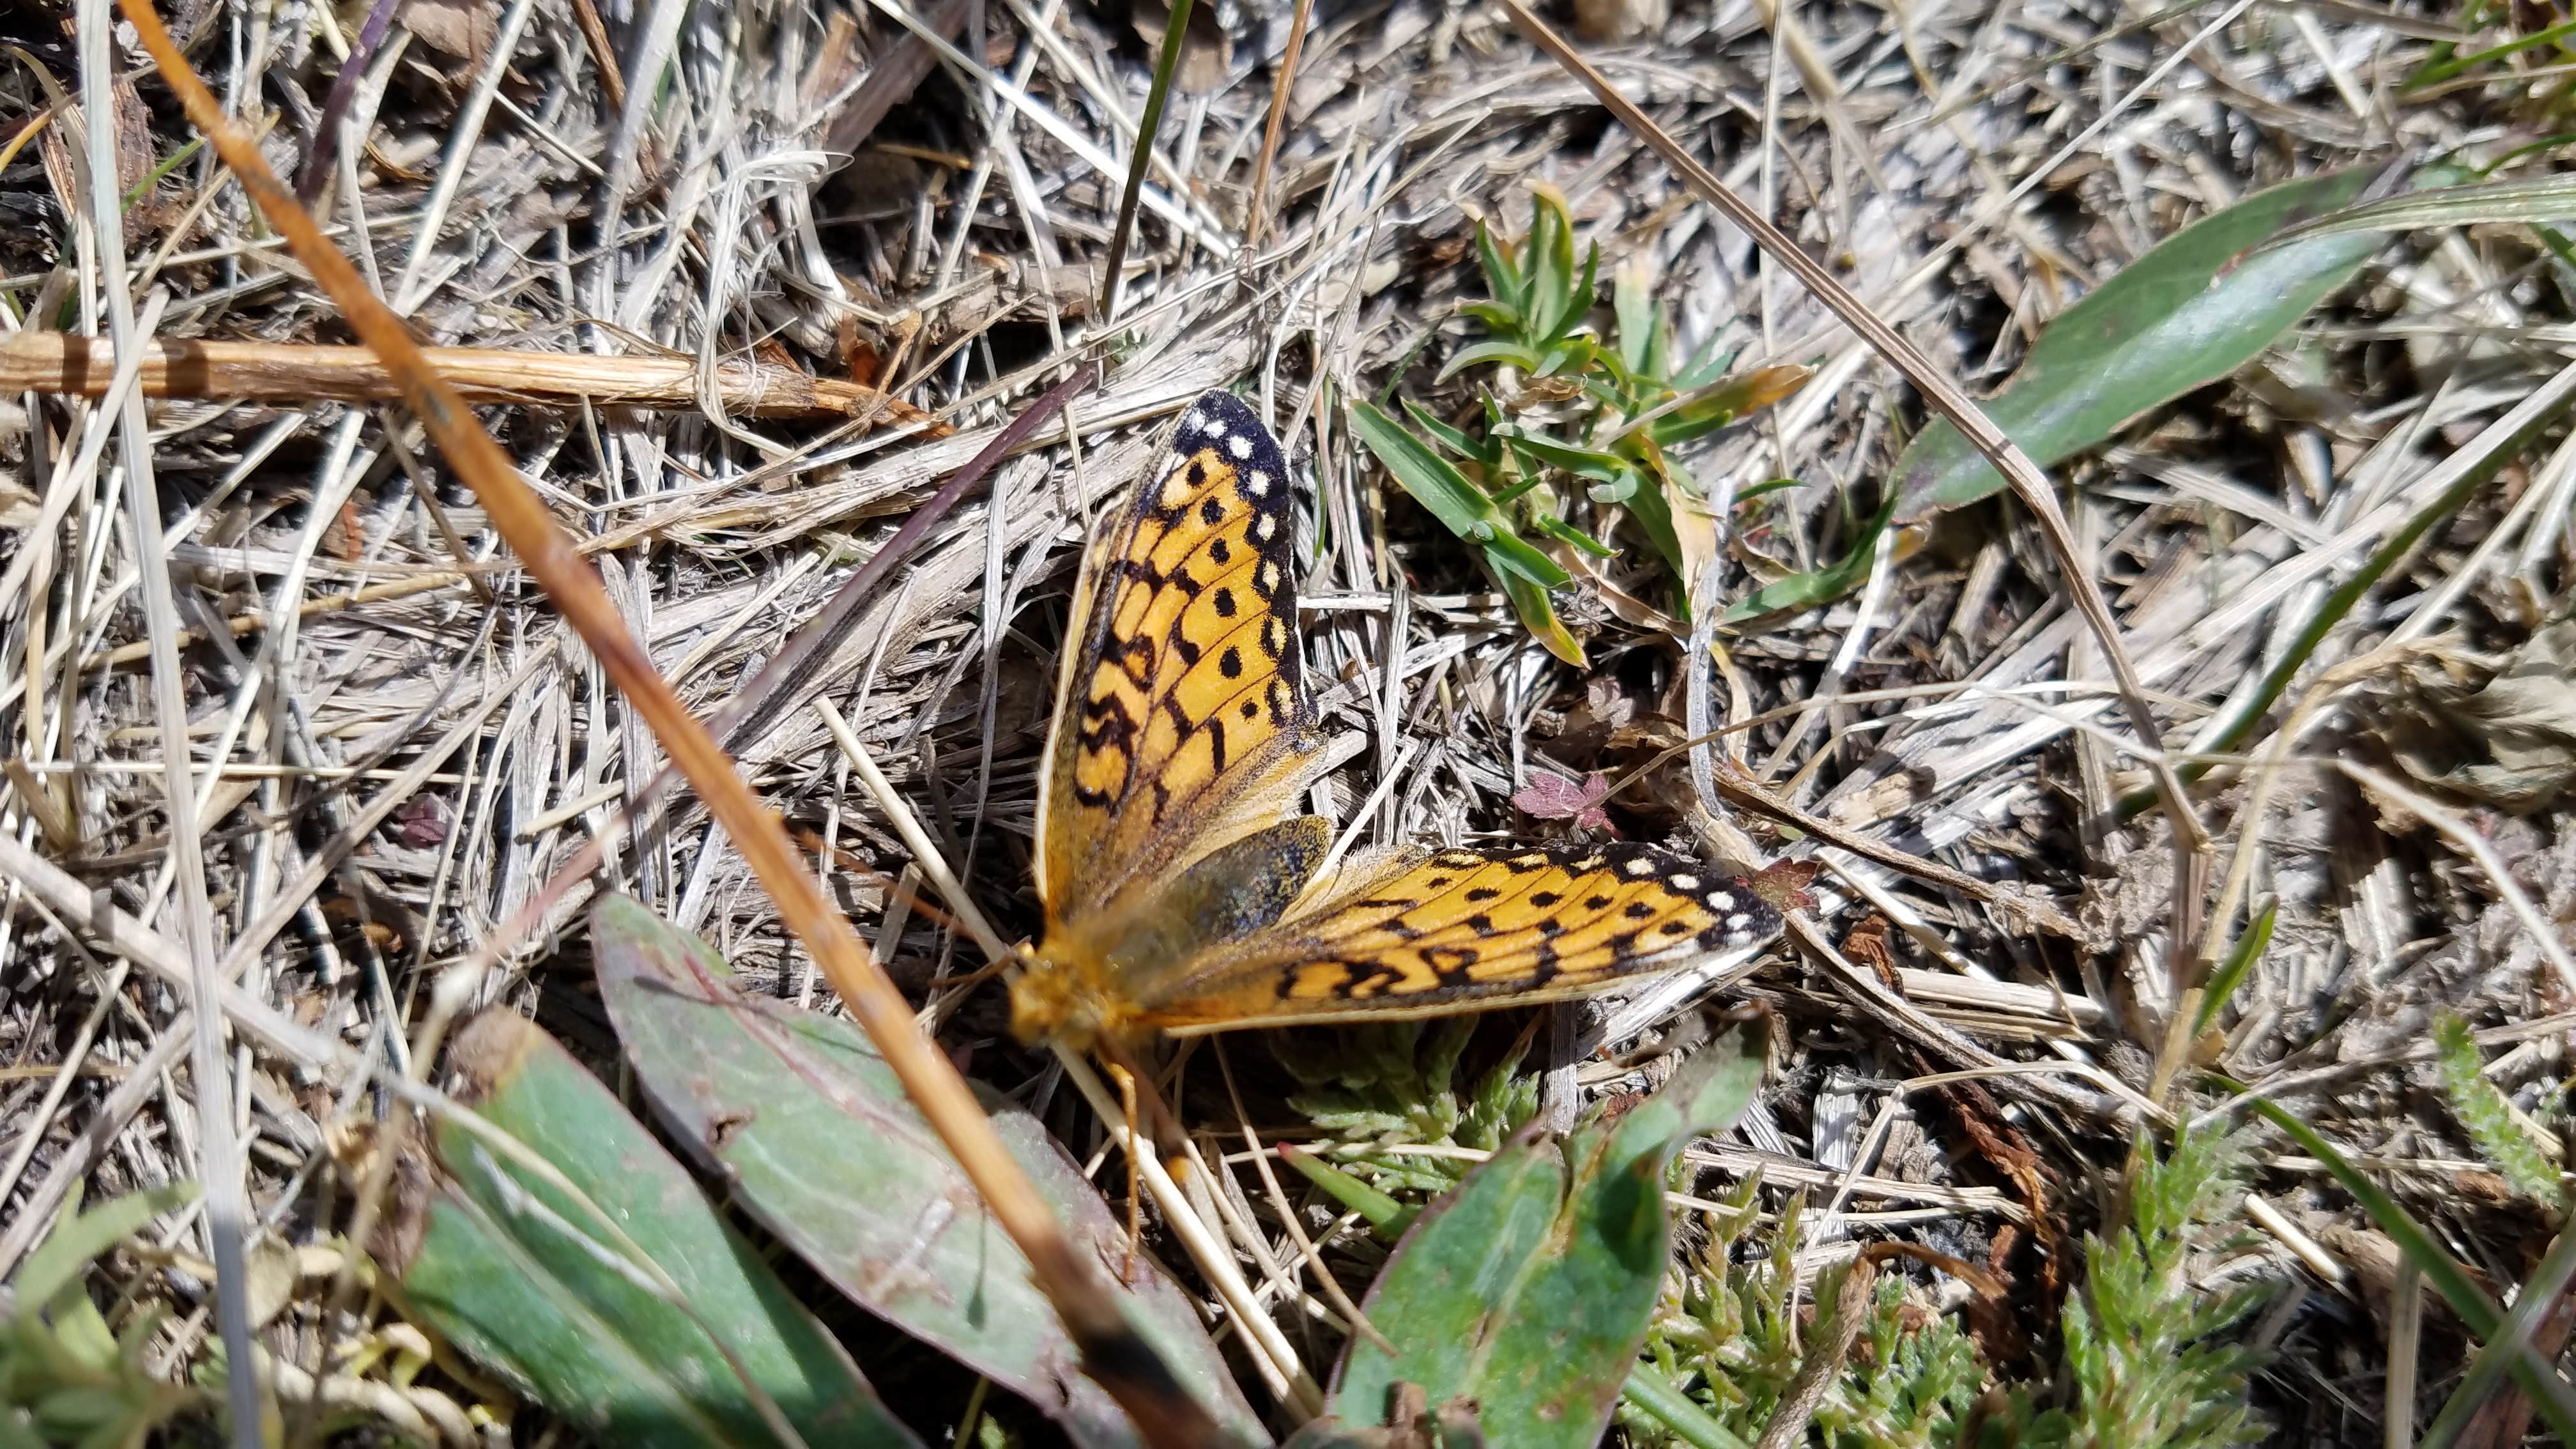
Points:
[[1182, 717], [1419, 935]]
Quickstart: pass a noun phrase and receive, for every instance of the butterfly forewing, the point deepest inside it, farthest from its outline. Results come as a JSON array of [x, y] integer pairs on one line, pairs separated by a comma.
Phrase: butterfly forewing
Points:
[[1459, 928], [1183, 718]]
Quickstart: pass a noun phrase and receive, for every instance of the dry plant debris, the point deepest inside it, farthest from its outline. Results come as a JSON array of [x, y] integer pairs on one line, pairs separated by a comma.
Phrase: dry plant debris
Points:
[[757, 280]]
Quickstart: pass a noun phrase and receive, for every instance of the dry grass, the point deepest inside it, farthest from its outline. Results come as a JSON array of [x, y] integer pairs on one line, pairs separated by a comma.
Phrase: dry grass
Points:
[[396, 741]]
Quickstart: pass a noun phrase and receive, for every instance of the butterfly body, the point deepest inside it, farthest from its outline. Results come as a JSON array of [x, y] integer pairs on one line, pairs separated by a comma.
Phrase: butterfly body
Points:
[[1181, 893]]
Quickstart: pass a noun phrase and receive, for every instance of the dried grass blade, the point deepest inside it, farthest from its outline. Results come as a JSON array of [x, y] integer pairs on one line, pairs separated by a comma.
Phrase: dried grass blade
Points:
[[58, 362], [1113, 1353]]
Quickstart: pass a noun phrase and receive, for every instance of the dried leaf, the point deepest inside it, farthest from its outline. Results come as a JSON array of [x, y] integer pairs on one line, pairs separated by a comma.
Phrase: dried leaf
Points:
[[2510, 743], [463, 29], [1551, 796]]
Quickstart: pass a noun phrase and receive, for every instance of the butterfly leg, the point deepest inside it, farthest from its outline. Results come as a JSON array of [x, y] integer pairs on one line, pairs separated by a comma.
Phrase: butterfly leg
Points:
[[1126, 1081]]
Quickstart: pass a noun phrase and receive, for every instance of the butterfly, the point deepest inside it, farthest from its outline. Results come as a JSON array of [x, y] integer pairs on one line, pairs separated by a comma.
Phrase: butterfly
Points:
[[1182, 893]]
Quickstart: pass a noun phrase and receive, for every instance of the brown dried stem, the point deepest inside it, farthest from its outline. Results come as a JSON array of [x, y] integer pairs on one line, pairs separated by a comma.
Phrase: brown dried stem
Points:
[[278, 372]]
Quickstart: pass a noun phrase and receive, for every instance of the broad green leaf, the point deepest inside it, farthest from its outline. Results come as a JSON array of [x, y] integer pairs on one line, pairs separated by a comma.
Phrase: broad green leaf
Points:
[[824, 1149], [530, 1283], [2200, 305], [1528, 1290], [1459, 504]]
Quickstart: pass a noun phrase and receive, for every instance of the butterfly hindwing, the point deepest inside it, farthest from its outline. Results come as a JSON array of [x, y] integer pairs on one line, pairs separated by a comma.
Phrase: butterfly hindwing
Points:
[[1183, 719], [1424, 934]]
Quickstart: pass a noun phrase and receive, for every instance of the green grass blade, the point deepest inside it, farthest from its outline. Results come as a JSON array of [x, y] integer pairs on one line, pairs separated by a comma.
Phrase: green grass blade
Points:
[[2230, 974]]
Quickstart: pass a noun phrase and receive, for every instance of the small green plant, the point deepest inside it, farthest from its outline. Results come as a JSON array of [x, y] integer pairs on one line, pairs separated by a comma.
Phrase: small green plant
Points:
[[1735, 1337], [2502, 1139], [2147, 1358], [67, 1377], [1397, 1084], [1566, 417]]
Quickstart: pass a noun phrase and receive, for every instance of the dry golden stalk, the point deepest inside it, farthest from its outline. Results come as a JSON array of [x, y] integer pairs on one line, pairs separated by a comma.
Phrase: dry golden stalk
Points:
[[291, 373]]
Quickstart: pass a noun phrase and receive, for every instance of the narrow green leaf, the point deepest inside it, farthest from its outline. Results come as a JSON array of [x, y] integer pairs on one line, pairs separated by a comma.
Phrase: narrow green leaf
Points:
[[2478, 1312], [1550, 253], [2446, 67], [1807, 590], [2536, 199], [1385, 1214], [1647, 500], [2201, 304], [1750, 393], [1580, 461], [829, 1155], [1459, 504], [1497, 316], [1475, 450], [1529, 1288], [1538, 615], [2230, 974], [2511, 1344], [2500, 1136], [1499, 350], [1650, 1391], [1640, 321], [530, 1283], [1502, 277], [1578, 300]]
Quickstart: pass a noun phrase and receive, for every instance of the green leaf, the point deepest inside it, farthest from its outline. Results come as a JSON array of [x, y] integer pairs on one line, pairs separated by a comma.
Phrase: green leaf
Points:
[[1641, 322], [1502, 277], [1528, 1289], [1501, 350], [1497, 316], [1550, 253], [2445, 67], [1459, 504], [2200, 305], [1582, 462], [75, 1243], [2478, 1312], [529, 1282], [1578, 300], [2500, 1136], [824, 1149], [1480, 451], [1720, 406], [2536, 199], [1387, 1215], [1538, 615], [1807, 590], [2231, 972]]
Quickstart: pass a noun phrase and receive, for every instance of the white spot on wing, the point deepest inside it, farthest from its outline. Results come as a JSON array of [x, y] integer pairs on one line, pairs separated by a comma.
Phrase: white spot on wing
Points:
[[1240, 447]]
